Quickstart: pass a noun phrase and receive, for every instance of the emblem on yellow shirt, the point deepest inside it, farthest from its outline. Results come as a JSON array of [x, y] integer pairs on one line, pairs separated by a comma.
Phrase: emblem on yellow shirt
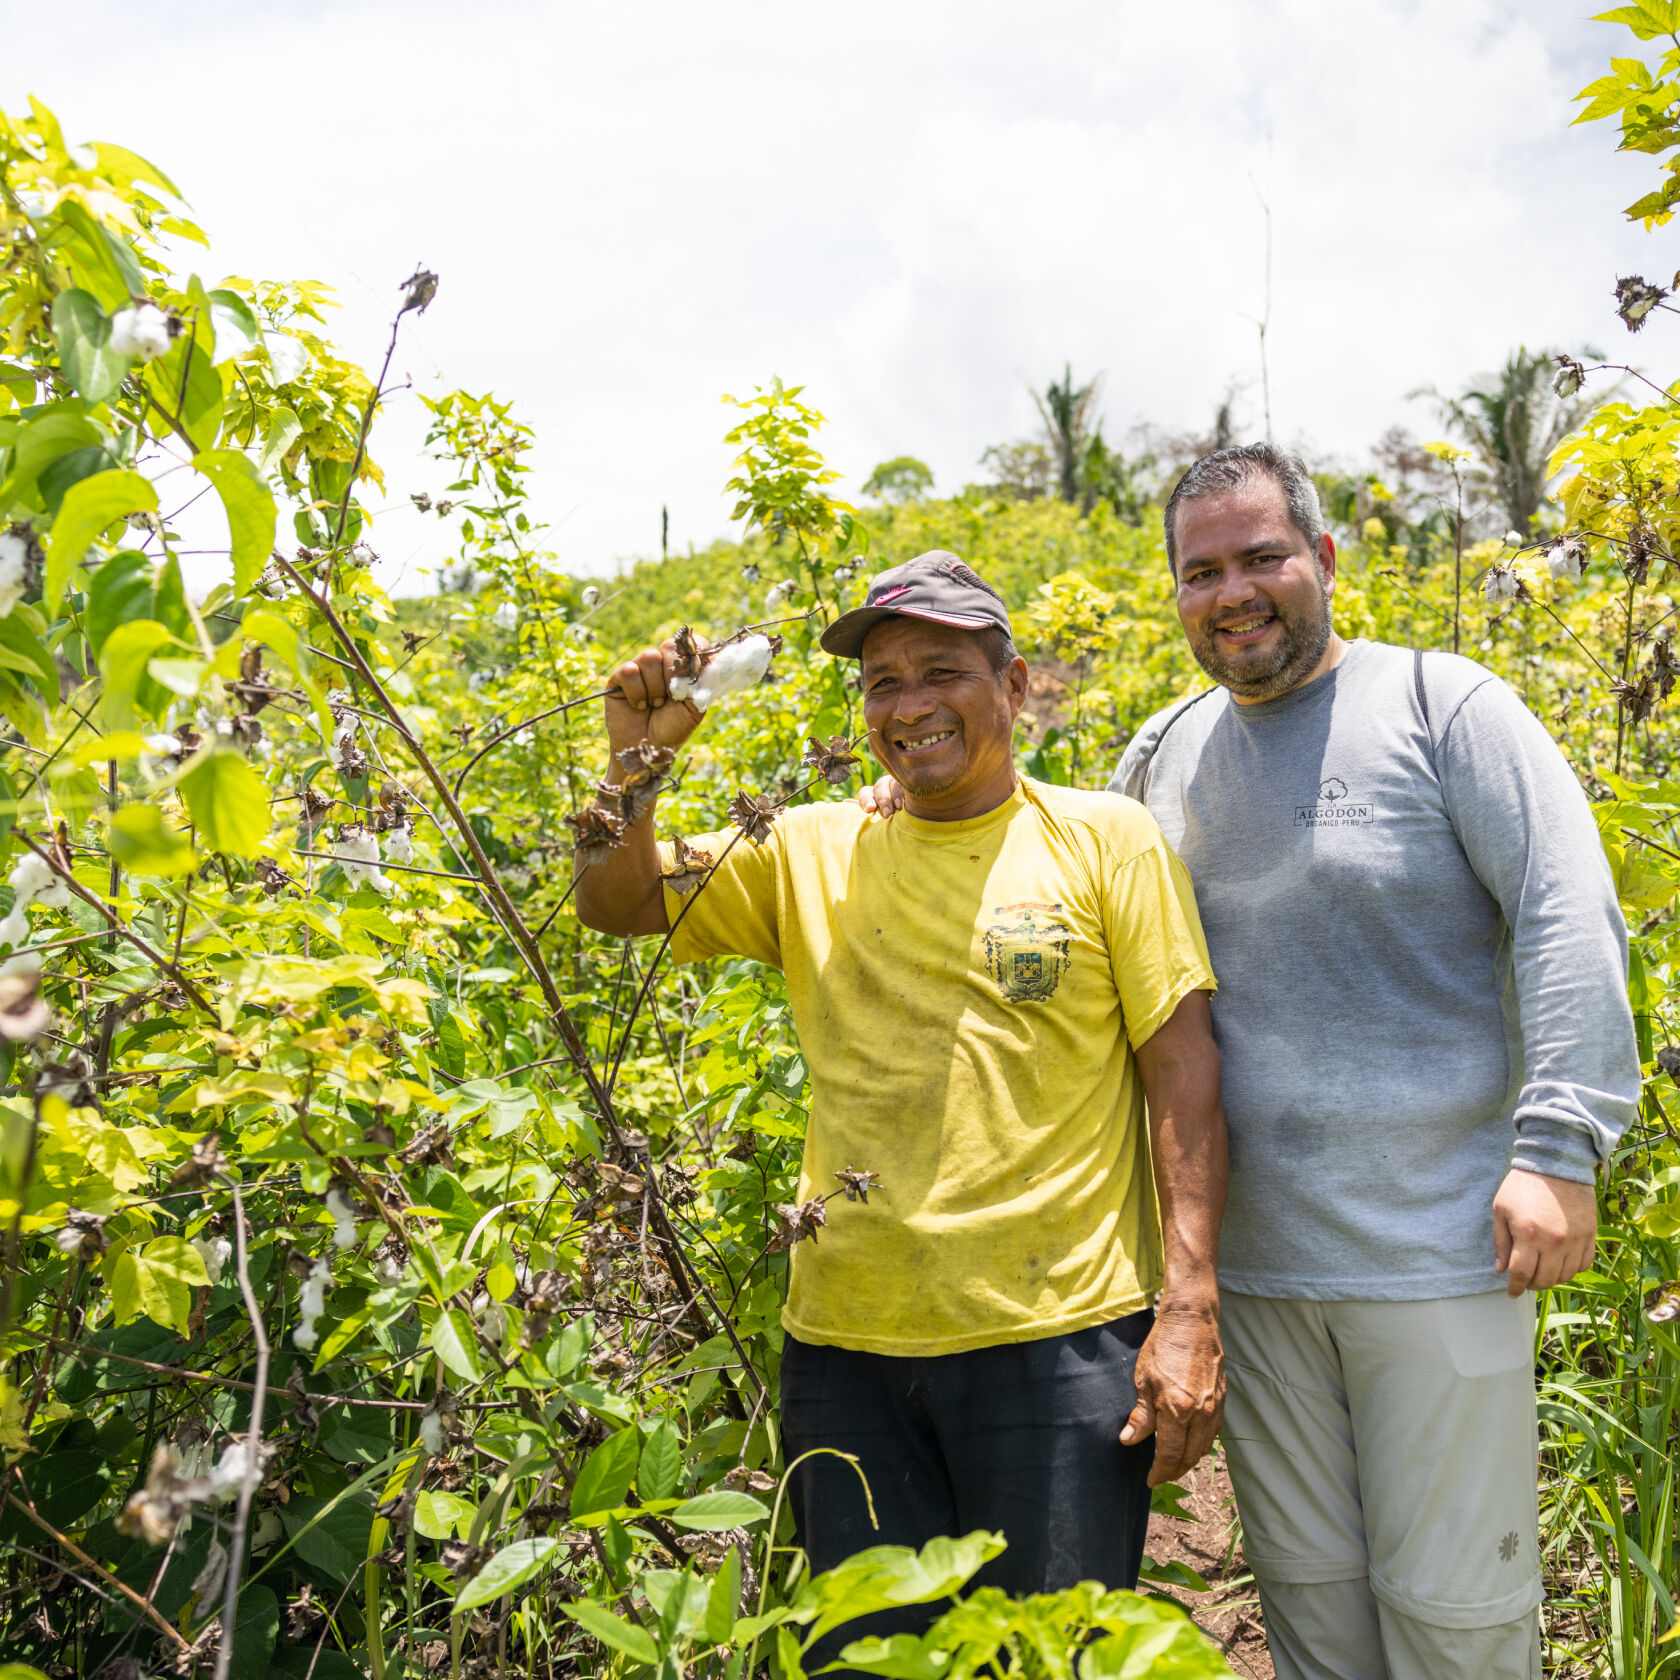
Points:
[[1027, 950]]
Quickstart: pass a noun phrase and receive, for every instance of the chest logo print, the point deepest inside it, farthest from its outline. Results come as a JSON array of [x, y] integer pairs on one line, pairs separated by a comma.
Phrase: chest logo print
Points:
[[1028, 950], [1334, 809]]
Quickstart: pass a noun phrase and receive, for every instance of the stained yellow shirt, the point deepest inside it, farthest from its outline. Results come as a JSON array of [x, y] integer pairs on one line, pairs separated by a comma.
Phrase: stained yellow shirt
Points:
[[968, 996]]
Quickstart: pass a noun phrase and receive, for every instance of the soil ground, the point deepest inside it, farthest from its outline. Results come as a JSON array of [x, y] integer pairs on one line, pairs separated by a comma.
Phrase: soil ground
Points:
[[1229, 1612]]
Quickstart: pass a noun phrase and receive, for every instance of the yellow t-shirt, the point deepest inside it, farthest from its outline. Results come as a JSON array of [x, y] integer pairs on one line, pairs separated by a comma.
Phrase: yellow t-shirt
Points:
[[967, 996]]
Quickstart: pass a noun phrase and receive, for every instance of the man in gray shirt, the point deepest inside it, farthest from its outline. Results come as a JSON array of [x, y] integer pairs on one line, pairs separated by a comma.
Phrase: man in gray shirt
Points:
[[1428, 1052]]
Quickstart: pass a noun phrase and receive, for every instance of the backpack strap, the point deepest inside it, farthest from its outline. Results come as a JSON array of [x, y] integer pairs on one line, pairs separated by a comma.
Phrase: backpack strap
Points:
[[1194, 701], [1422, 695]]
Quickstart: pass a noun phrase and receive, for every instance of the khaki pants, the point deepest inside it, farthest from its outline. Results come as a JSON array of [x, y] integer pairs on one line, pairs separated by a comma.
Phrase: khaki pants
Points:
[[1384, 1456]]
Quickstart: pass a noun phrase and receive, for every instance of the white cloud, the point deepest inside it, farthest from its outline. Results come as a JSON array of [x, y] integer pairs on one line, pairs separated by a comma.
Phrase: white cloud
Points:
[[912, 209]]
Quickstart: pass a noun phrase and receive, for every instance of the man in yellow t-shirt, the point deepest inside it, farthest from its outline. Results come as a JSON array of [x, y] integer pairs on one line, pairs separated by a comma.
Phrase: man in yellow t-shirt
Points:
[[987, 990]]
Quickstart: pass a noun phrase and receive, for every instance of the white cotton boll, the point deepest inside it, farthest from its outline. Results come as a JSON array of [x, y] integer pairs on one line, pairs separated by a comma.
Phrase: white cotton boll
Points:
[[14, 928], [399, 846], [162, 746], [591, 596], [14, 558], [507, 615], [343, 1218], [518, 879], [215, 1252], [363, 555], [388, 1269], [229, 1473], [55, 896], [579, 632], [69, 1240], [141, 331], [1501, 584], [358, 854], [728, 669], [31, 873], [775, 596], [1512, 540], [312, 1302], [1566, 558], [432, 1435]]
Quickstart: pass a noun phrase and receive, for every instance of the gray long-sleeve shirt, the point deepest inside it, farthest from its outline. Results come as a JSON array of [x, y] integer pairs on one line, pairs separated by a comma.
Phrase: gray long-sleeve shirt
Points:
[[1421, 960]]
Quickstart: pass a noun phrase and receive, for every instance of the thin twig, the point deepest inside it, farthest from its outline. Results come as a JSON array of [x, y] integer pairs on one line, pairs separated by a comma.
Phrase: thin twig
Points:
[[253, 1443]]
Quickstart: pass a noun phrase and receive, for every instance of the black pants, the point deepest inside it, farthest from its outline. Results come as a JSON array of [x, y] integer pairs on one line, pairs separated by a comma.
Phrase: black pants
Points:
[[1024, 1438]]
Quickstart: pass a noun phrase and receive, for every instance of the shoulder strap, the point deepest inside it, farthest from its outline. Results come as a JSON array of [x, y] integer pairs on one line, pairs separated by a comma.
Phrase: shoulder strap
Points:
[[1154, 751], [1422, 694]]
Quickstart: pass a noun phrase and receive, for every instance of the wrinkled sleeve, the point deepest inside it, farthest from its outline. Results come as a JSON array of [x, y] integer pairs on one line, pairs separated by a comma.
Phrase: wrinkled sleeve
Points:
[[735, 912], [1155, 943], [1529, 834]]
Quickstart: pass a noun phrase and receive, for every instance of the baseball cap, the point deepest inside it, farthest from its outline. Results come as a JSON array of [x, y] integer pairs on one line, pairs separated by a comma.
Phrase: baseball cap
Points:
[[936, 587]]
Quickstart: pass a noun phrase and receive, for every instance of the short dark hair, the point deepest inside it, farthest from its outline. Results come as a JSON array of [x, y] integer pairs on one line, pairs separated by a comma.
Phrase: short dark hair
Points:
[[1232, 469], [998, 648]]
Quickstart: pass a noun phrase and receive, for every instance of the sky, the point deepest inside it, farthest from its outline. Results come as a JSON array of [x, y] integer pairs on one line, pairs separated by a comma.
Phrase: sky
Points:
[[916, 209]]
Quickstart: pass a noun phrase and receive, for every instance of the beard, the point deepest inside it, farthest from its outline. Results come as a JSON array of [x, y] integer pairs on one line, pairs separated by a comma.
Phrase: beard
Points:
[[1302, 641]]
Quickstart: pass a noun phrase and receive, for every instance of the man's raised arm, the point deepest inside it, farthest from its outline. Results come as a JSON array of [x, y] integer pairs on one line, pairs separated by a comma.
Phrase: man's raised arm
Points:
[[623, 895]]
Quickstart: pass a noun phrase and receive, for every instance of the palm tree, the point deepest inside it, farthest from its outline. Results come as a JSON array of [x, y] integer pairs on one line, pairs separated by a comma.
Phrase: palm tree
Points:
[[1067, 412], [1513, 420]]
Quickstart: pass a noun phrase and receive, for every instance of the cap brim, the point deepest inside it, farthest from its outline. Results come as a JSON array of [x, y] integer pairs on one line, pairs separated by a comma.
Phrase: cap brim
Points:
[[845, 636]]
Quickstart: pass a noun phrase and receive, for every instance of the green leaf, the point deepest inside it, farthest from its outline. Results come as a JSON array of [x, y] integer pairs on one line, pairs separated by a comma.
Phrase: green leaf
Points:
[[440, 1515], [157, 1279], [235, 326], [83, 331], [88, 507], [613, 1630], [21, 650], [901, 1657], [256, 1626], [250, 511], [229, 803], [661, 1463], [120, 592], [719, 1509], [276, 633], [606, 1475], [123, 660], [40, 442], [725, 1598], [193, 403], [141, 841], [455, 1344], [331, 1534], [511, 1567]]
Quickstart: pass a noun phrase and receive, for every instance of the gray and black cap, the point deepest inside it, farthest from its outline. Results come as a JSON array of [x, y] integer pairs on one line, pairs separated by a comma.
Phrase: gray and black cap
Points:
[[935, 587]]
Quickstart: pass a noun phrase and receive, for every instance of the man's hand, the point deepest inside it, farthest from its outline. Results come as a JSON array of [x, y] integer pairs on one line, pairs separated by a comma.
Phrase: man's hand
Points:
[[1181, 1392], [1544, 1229], [642, 709], [883, 799]]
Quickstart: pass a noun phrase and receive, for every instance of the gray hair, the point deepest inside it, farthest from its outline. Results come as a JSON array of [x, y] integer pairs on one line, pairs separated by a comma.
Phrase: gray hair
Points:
[[1232, 469]]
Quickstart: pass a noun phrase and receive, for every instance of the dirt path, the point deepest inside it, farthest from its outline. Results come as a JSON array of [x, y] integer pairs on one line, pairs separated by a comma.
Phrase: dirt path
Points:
[[1229, 1612]]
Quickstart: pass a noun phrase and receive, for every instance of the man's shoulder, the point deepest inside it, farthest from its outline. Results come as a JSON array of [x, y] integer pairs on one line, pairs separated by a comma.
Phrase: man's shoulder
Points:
[[1448, 678], [1116, 820], [1181, 723]]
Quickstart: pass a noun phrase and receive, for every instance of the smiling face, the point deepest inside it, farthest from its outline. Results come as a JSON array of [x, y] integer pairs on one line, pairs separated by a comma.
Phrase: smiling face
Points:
[[1253, 597], [941, 720]]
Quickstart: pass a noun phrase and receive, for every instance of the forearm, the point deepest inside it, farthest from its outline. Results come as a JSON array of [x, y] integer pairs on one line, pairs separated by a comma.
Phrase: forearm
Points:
[[621, 894], [1180, 1066]]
